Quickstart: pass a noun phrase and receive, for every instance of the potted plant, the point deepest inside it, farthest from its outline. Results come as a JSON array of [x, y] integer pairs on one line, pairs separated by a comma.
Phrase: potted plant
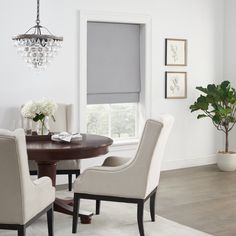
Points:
[[218, 102]]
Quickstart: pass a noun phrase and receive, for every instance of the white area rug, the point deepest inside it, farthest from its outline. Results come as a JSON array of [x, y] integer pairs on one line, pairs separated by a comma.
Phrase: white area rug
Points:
[[116, 219]]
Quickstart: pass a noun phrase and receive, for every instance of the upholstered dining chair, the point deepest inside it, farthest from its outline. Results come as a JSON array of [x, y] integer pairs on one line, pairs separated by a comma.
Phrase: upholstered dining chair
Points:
[[119, 183], [21, 200], [64, 122]]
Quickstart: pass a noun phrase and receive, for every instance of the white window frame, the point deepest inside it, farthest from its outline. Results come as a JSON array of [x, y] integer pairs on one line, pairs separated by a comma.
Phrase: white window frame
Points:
[[145, 62]]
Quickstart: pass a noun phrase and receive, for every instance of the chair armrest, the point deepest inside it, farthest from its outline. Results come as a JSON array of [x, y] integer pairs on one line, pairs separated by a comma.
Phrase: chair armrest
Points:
[[115, 161], [109, 181], [124, 164], [104, 169], [40, 195], [43, 181], [43, 186]]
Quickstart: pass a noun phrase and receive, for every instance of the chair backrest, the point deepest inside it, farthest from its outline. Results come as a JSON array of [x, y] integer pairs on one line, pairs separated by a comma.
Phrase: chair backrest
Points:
[[63, 117], [147, 163], [15, 180]]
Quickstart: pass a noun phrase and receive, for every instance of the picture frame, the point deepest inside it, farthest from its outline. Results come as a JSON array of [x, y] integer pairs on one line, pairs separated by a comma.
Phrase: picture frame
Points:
[[175, 52], [175, 85]]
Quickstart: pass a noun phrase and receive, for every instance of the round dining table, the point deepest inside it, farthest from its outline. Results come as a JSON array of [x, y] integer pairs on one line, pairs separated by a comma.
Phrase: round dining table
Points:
[[47, 153]]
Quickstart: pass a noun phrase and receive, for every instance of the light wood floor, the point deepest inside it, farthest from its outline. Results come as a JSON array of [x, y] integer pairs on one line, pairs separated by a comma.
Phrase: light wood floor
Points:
[[203, 198]]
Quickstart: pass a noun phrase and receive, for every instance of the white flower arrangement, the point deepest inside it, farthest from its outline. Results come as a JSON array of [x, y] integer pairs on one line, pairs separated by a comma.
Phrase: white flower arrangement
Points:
[[39, 110], [36, 109]]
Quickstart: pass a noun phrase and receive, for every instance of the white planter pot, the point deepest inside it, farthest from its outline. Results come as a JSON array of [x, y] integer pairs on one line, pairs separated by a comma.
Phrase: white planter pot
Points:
[[226, 161]]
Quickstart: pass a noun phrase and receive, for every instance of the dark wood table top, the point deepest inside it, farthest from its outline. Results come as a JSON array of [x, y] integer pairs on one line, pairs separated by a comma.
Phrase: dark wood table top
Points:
[[89, 146]]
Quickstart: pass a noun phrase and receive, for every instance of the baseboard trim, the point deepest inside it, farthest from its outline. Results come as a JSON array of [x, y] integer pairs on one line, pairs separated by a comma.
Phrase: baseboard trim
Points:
[[185, 163]]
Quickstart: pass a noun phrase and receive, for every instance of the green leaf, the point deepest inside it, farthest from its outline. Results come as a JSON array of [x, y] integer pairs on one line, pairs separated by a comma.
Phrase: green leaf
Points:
[[193, 108], [232, 119], [217, 119], [202, 99], [224, 84], [39, 117], [204, 90], [211, 88], [201, 116]]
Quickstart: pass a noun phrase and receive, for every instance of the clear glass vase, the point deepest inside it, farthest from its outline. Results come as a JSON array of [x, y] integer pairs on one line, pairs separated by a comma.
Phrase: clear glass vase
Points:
[[28, 126], [43, 126]]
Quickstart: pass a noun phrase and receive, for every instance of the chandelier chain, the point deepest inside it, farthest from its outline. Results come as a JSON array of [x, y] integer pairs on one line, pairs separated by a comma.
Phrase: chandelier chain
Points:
[[38, 6]]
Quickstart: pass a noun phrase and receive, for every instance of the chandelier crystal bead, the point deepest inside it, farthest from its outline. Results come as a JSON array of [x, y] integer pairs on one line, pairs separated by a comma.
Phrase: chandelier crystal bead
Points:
[[36, 48]]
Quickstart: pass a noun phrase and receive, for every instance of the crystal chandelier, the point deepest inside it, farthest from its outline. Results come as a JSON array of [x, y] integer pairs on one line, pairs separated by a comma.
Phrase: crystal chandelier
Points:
[[38, 48]]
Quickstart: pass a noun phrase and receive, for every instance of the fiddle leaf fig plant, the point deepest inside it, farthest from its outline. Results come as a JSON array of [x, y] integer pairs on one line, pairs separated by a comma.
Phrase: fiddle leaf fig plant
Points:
[[218, 102]]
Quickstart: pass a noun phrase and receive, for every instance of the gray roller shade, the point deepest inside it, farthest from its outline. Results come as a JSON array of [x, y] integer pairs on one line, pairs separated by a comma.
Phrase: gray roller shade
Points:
[[113, 63]]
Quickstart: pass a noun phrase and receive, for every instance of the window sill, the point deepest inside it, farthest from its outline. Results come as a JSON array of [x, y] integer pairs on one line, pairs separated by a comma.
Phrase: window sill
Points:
[[124, 145], [125, 142]]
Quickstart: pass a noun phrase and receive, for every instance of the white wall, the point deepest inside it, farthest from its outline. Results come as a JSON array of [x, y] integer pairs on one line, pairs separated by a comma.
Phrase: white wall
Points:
[[199, 21], [229, 41], [229, 53]]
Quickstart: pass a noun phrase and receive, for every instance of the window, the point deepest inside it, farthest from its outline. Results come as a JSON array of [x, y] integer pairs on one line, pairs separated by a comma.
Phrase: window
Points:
[[118, 121], [107, 52], [113, 79]]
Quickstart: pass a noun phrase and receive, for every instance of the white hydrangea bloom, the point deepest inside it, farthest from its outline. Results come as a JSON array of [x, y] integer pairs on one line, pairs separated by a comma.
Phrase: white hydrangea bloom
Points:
[[30, 109], [47, 107]]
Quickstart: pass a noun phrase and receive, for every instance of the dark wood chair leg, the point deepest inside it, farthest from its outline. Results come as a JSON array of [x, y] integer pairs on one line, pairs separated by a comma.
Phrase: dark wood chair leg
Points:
[[69, 182], [140, 217], [75, 213], [50, 221], [98, 206], [22, 231], [152, 206], [77, 173]]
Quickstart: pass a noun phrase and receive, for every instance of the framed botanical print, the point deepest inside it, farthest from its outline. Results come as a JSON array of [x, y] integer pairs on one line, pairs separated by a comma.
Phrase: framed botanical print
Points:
[[176, 52], [175, 85]]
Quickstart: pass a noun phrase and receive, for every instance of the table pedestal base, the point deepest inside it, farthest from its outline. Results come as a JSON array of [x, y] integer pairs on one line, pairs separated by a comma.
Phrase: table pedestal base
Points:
[[66, 207], [61, 205]]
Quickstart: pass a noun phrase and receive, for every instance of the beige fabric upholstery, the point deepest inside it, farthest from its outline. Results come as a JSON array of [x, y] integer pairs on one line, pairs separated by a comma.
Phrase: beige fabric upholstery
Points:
[[64, 117], [115, 161], [138, 177], [20, 198]]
